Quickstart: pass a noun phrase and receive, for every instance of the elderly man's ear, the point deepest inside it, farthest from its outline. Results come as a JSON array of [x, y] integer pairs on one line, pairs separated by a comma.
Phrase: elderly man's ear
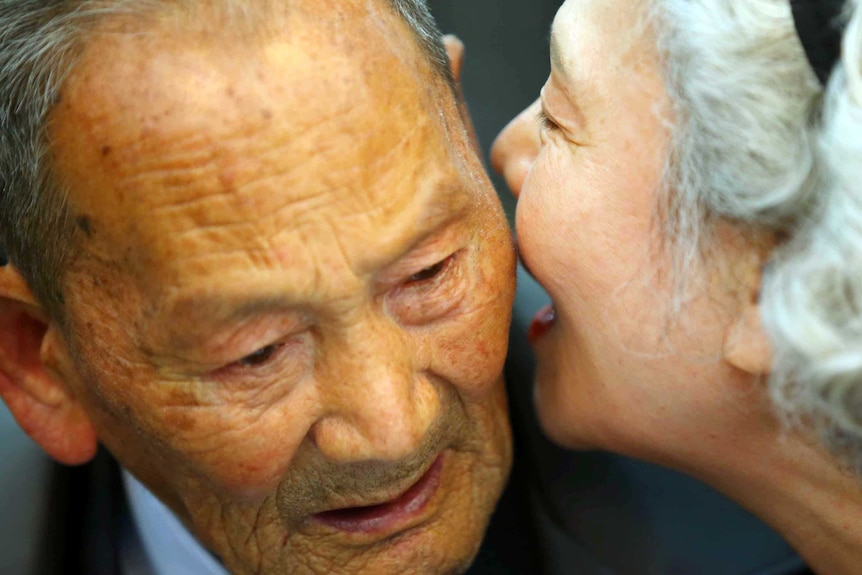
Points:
[[33, 354], [455, 51]]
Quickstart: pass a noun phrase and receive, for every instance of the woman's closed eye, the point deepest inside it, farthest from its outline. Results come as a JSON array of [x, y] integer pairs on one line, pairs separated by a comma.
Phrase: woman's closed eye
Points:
[[546, 123]]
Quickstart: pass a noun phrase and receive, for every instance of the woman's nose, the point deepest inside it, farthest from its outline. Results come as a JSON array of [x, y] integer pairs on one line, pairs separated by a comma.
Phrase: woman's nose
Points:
[[515, 149]]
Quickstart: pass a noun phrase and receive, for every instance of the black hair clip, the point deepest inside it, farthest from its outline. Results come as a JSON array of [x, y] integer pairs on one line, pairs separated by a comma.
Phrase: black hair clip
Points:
[[819, 26]]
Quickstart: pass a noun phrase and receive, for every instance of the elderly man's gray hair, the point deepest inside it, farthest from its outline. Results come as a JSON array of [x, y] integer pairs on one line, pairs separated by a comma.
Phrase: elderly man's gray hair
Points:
[[39, 40], [758, 141]]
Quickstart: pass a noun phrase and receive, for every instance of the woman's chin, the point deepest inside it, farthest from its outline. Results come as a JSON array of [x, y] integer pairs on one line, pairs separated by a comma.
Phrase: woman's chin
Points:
[[558, 418]]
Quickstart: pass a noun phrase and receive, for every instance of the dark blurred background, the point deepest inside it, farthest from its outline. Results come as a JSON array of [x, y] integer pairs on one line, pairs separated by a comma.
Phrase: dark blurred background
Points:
[[506, 60]]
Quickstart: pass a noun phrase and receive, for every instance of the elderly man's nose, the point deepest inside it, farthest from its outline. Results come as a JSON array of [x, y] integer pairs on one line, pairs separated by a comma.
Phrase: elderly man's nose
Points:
[[515, 149], [377, 407]]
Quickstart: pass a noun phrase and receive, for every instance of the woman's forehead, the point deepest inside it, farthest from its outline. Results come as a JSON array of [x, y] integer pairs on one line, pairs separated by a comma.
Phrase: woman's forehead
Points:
[[606, 29]]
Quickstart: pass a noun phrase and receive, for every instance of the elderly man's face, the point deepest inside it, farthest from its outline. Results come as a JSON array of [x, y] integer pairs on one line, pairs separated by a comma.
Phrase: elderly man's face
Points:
[[290, 310]]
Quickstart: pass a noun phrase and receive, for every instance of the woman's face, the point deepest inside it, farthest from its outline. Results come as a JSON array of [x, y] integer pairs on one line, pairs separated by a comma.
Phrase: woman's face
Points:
[[616, 367]]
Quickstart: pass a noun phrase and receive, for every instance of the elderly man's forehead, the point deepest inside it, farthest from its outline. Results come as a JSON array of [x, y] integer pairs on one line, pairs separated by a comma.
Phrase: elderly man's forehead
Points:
[[251, 20], [350, 27], [363, 32], [168, 84], [245, 19], [189, 144]]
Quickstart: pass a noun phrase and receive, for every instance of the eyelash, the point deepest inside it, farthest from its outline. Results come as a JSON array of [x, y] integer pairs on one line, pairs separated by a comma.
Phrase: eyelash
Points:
[[248, 365], [258, 362], [431, 273], [269, 353], [547, 123], [431, 294]]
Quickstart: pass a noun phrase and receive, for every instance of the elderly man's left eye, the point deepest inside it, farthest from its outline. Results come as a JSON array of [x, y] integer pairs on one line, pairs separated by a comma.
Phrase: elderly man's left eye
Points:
[[431, 293], [259, 357], [430, 272]]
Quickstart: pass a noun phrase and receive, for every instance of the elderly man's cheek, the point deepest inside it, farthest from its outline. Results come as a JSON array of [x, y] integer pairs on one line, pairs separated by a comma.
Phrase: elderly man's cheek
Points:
[[471, 352], [244, 451]]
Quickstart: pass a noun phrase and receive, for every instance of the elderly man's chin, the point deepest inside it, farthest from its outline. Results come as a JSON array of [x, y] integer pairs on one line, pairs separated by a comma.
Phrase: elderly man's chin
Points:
[[436, 541]]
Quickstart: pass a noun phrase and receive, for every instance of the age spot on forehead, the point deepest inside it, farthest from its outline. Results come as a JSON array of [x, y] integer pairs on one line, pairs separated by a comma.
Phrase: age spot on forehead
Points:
[[85, 224]]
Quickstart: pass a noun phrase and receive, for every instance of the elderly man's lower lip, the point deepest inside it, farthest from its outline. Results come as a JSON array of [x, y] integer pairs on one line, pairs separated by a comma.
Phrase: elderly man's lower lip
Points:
[[388, 516]]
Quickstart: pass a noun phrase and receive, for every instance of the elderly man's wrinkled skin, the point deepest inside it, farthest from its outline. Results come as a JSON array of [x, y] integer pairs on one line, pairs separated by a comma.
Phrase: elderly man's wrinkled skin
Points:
[[293, 289]]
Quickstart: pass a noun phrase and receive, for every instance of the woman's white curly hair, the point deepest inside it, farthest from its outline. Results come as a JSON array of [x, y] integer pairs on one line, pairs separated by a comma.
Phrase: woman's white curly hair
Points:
[[758, 141]]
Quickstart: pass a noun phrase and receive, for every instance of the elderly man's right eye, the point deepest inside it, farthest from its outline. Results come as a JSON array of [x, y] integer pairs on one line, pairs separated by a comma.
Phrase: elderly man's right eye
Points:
[[254, 362], [288, 358]]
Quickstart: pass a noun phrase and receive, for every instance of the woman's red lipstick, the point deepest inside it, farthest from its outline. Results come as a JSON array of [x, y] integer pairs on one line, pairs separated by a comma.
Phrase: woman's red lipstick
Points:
[[542, 322]]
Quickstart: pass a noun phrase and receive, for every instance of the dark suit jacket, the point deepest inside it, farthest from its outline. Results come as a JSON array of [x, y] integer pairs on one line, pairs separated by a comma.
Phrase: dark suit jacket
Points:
[[88, 515]]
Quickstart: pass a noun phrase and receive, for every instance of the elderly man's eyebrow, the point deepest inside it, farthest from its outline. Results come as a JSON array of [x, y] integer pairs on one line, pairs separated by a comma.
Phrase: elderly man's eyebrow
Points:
[[450, 202], [212, 312]]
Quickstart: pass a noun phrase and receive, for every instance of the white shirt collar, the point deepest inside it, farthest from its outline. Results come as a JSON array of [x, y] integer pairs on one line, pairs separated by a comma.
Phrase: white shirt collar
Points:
[[169, 546]]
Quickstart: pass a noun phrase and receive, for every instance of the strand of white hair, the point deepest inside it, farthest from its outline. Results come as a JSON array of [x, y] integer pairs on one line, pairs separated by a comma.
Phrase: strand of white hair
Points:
[[758, 141]]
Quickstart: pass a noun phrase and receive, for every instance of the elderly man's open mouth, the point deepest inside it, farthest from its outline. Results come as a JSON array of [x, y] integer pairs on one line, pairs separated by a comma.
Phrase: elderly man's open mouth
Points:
[[367, 502], [392, 513]]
